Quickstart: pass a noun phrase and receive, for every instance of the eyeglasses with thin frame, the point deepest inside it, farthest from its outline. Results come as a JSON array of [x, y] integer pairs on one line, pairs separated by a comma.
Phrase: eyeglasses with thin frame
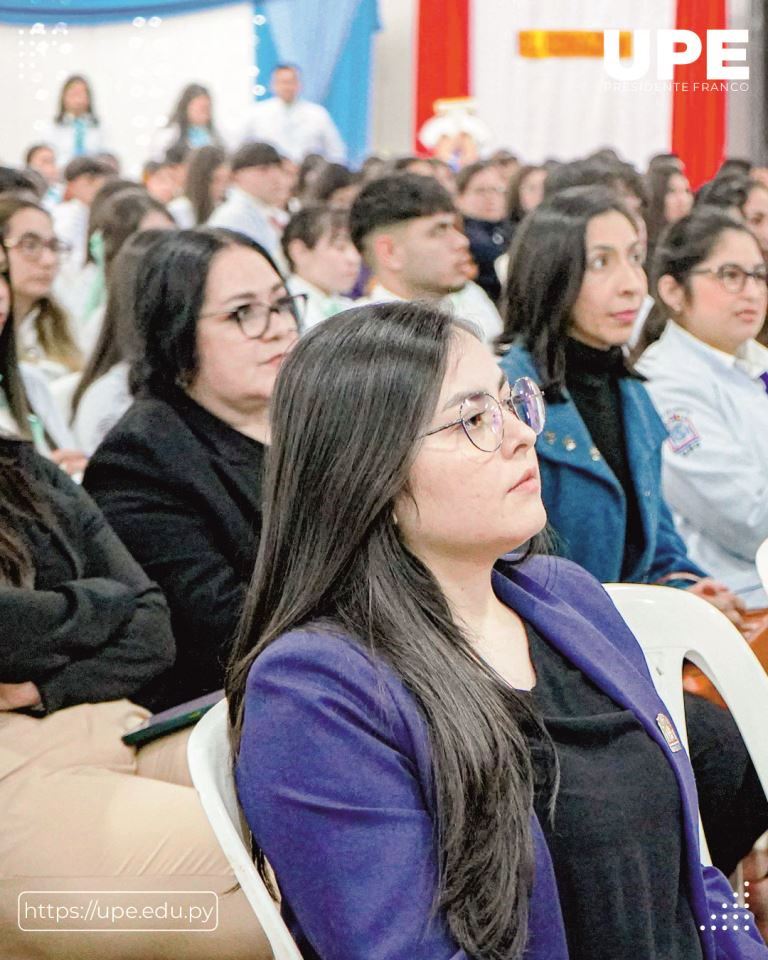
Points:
[[481, 415], [254, 318], [31, 245], [488, 191], [733, 278]]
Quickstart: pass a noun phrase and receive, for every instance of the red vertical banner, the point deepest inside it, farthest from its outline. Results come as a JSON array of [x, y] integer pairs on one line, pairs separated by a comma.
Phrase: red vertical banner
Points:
[[442, 55], [698, 113]]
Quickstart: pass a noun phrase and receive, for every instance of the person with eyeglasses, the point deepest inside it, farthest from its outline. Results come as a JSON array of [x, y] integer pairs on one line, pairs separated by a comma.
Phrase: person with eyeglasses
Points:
[[446, 746], [575, 284], [481, 199], [34, 254], [179, 475], [708, 378], [27, 407]]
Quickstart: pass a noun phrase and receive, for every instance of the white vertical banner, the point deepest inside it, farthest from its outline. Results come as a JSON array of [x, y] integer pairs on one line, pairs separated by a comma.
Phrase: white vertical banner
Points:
[[136, 69], [563, 107]]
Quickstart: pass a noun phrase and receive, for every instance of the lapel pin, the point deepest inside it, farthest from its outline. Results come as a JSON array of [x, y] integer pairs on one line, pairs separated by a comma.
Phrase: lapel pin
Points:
[[668, 732]]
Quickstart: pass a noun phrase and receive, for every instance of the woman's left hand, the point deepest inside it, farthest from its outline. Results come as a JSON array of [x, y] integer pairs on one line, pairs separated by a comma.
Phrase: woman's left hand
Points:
[[721, 597], [15, 696]]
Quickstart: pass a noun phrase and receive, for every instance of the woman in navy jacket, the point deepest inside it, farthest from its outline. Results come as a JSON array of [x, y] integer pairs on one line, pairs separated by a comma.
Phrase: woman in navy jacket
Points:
[[441, 754]]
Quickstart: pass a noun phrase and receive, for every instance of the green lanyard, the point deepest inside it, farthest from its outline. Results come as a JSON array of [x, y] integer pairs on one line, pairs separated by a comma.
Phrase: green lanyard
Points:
[[37, 430]]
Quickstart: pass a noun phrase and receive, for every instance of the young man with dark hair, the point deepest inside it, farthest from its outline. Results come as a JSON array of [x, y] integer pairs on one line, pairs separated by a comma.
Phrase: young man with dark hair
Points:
[[408, 231], [323, 261], [256, 199]]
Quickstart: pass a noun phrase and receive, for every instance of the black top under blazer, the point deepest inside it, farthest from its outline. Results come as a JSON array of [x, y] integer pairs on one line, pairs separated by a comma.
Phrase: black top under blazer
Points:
[[183, 491]]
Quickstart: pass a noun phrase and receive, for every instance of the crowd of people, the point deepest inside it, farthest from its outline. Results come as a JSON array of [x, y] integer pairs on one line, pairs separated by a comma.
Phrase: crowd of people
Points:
[[358, 447]]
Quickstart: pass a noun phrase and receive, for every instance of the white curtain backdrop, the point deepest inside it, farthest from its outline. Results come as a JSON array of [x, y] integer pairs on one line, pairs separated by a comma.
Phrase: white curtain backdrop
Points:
[[137, 72], [562, 108]]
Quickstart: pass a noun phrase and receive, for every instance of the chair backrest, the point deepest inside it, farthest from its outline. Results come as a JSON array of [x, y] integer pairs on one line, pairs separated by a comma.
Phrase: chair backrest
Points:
[[674, 625], [761, 561], [210, 766]]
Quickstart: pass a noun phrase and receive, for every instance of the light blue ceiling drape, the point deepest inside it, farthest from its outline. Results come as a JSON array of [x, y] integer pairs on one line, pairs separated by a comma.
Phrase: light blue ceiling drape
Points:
[[330, 40]]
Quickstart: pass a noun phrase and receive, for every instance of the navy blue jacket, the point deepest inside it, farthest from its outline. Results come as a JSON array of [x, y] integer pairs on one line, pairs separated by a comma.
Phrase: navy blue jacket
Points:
[[334, 776], [585, 503]]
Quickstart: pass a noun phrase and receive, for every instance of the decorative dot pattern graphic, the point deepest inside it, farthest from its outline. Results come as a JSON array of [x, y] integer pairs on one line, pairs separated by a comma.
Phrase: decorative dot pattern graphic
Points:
[[735, 916]]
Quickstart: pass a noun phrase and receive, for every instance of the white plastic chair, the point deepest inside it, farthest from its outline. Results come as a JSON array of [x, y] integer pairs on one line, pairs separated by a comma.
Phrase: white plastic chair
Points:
[[674, 625], [761, 562], [210, 766]]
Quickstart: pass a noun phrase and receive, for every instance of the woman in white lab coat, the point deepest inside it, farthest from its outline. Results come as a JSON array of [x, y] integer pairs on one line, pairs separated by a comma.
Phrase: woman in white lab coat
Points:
[[708, 378]]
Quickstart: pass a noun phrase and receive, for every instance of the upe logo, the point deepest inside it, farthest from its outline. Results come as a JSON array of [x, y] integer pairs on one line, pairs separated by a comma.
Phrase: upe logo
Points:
[[675, 47]]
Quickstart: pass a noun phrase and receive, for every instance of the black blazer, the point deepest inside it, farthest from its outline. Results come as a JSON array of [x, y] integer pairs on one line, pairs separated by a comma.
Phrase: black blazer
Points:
[[92, 627], [182, 489]]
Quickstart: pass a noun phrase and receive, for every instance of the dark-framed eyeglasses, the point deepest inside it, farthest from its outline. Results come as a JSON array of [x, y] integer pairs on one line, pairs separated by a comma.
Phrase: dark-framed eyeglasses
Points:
[[481, 415], [31, 245], [254, 318], [733, 278]]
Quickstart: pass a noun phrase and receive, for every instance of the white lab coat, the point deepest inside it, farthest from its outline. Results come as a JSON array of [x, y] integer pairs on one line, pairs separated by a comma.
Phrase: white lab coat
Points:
[[244, 213], [61, 136], [715, 462], [320, 305], [70, 224], [101, 406], [43, 405], [470, 303]]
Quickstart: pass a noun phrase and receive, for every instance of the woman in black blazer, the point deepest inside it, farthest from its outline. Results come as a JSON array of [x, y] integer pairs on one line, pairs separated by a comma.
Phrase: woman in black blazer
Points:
[[179, 476]]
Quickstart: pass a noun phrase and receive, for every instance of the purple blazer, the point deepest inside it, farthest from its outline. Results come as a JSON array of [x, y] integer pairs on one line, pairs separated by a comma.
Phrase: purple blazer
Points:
[[334, 775]]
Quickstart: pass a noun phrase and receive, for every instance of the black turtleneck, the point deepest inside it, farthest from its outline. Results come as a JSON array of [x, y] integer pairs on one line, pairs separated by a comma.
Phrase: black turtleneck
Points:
[[592, 377]]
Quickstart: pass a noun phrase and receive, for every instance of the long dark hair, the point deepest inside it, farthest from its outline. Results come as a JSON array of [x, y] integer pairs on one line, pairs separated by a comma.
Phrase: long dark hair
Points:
[[657, 186], [338, 464], [202, 166], [120, 218], [547, 261], [170, 290], [119, 339], [515, 211], [179, 117], [681, 248], [61, 112], [10, 379], [52, 323], [21, 502]]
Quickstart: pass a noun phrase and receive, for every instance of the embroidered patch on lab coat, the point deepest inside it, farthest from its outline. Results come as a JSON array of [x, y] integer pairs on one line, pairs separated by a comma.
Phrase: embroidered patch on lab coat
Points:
[[683, 436]]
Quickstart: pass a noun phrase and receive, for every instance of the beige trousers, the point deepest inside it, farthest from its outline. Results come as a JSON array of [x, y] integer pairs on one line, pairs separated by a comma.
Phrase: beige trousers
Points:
[[81, 811]]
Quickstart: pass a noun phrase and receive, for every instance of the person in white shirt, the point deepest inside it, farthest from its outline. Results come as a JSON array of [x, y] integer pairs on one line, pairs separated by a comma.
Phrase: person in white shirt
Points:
[[43, 333], [27, 407], [207, 180], [708, 378], [103, 394], [257, 196], [84, 177], [190, 125], [323, 261], [296, 127], [76, 131], [407, 229]]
